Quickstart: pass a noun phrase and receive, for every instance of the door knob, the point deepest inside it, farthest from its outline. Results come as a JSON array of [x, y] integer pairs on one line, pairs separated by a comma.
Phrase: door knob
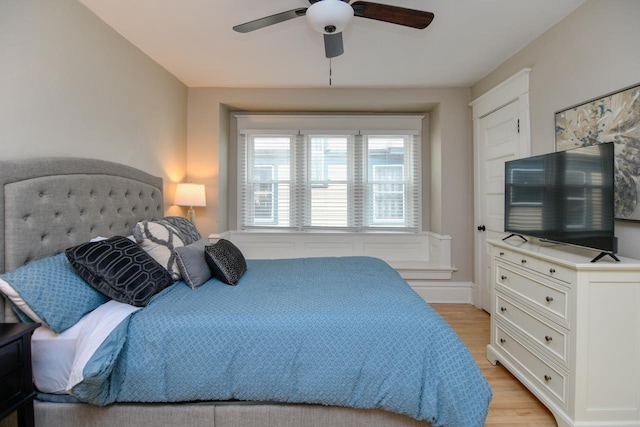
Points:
[[482, 228]]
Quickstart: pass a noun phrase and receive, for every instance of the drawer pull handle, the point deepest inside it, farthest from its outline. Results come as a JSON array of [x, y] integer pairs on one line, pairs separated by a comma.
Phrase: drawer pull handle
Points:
[[503, 309], [503, 277], [502, 341], [547, 377], [501, 253], [548, 338], [524, 261], [552, 270], [549, 299]]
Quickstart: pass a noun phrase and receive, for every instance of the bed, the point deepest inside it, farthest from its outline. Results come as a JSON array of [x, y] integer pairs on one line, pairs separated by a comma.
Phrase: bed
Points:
[[332, 365]]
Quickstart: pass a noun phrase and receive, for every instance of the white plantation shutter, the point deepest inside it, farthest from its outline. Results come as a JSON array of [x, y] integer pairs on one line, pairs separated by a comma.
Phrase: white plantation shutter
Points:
[[300, 179], [414, 187], [244, 211], [329, 180], [359, 194]]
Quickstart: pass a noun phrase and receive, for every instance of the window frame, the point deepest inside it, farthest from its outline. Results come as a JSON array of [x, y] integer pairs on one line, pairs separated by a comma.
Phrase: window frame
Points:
[[301, 186]]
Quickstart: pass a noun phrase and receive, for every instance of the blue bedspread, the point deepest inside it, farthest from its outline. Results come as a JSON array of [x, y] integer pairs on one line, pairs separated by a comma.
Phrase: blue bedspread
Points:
[[333, 331]]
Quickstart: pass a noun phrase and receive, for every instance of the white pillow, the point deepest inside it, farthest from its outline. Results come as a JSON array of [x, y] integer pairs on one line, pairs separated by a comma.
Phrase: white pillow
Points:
[[17, 300]]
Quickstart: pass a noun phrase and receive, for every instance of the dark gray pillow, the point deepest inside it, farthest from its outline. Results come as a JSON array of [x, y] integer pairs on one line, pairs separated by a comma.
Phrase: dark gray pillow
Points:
[[193, 267], [225, 261], [120, 269]]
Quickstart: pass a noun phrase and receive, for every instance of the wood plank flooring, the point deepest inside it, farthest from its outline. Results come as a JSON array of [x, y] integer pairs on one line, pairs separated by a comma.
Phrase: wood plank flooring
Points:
[[512, 404]]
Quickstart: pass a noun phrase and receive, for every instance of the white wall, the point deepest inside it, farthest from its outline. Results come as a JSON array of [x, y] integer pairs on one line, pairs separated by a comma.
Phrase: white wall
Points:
[[592, 52], [72, 86]]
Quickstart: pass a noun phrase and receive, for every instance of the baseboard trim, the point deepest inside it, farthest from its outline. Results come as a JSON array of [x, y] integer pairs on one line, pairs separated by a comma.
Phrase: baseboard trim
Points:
[[443, 292]]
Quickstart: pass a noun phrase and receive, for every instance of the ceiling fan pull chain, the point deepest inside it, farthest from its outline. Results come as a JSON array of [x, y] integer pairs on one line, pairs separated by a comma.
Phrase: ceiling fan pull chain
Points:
[[329, 71]]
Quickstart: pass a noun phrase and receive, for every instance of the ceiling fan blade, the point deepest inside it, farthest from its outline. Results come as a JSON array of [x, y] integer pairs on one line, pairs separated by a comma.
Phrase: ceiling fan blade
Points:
[[333, 45], [270, 20], [393, 14]]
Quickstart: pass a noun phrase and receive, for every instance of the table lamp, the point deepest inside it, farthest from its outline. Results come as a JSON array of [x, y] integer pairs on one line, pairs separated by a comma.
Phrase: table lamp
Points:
[[190, 195]]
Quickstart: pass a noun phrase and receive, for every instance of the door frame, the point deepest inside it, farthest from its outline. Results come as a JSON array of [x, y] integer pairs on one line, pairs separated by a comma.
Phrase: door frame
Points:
[[515, 88]]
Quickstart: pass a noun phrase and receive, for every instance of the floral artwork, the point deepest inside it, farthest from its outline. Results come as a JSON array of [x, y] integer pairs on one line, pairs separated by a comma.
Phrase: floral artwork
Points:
[[611, 118]]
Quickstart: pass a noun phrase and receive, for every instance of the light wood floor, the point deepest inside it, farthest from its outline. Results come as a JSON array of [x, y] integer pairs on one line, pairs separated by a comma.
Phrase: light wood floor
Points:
[[512, 404]]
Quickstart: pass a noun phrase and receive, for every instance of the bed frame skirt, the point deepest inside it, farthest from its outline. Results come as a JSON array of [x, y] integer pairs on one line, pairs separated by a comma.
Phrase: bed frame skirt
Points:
[[211, 414]]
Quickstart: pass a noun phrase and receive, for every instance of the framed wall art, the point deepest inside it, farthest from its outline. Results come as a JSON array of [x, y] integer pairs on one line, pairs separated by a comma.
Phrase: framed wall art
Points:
[[611, 118]]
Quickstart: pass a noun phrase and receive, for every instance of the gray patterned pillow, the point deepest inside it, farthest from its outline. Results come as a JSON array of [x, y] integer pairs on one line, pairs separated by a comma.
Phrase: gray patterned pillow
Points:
[[119, 269], [225, 261], [187, 230], [160, 239]]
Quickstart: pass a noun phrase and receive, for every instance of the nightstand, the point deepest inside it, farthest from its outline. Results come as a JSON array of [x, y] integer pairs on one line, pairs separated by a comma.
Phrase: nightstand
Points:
[[16, 383]]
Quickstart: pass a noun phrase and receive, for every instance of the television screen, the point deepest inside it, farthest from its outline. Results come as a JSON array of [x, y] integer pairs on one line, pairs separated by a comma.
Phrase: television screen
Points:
[[565, 197]]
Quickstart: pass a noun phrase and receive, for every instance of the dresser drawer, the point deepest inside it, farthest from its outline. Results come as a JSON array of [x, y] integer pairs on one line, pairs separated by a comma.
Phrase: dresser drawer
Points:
[[558, 272], [551, 379], [553, 340], [10, 357], [16, 386], [550, 298], [516, 258], [11, 371], [11, 386]]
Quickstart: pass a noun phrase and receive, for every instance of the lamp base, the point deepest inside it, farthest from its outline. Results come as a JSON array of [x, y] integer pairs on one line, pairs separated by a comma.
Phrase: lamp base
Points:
[[191, 215]]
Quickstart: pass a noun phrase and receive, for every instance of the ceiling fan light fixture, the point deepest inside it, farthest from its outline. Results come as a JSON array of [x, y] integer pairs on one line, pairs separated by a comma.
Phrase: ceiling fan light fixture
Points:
[[329, 16]]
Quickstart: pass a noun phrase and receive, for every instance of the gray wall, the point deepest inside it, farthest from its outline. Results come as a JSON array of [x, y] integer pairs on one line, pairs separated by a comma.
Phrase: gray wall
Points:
[[592, 52], [72, 86]]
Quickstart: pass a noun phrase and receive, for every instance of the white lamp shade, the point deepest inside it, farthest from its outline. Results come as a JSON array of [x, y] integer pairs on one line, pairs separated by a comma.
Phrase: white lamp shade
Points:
[[190, 195], [328, 14]]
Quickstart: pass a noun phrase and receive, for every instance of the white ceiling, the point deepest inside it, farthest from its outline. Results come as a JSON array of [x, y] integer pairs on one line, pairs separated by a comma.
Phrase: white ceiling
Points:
[[194, 40]]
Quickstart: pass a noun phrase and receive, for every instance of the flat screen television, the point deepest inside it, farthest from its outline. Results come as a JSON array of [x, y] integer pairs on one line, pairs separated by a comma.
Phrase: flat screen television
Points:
[[563, 197]]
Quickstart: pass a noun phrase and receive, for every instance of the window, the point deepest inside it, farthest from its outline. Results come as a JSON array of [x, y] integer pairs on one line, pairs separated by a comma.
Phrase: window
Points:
[[264, 194], [329, 180], [268, 181], [329, 186], [388, 193]]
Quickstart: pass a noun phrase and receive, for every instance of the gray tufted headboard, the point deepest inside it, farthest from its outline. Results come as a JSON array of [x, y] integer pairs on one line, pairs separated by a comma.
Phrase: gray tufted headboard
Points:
[[50, 204]]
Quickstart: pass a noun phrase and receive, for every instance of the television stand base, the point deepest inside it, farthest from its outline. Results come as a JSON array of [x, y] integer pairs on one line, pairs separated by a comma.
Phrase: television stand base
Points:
[[514, 235], [603, 254]]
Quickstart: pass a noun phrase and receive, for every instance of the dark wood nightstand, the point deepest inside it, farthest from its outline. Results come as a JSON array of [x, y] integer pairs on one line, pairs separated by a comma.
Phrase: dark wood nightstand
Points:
[[16, 382]]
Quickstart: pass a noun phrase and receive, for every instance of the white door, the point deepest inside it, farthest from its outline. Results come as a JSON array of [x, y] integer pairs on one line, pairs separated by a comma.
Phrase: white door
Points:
[[498, 141]]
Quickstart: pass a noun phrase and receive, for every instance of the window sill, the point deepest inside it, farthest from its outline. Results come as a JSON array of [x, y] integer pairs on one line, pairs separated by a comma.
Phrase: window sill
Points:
[[419, 256]]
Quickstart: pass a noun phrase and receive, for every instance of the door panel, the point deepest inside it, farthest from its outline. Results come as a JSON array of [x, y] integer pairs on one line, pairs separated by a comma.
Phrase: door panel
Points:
[[499, 141]]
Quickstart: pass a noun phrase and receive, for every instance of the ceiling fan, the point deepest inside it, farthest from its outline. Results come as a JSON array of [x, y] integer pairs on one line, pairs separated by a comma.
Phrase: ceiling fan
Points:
[[331, 17]]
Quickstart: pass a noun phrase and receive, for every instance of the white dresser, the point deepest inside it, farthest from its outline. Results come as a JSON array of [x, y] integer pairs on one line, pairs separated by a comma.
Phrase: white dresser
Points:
[[569, 330]]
